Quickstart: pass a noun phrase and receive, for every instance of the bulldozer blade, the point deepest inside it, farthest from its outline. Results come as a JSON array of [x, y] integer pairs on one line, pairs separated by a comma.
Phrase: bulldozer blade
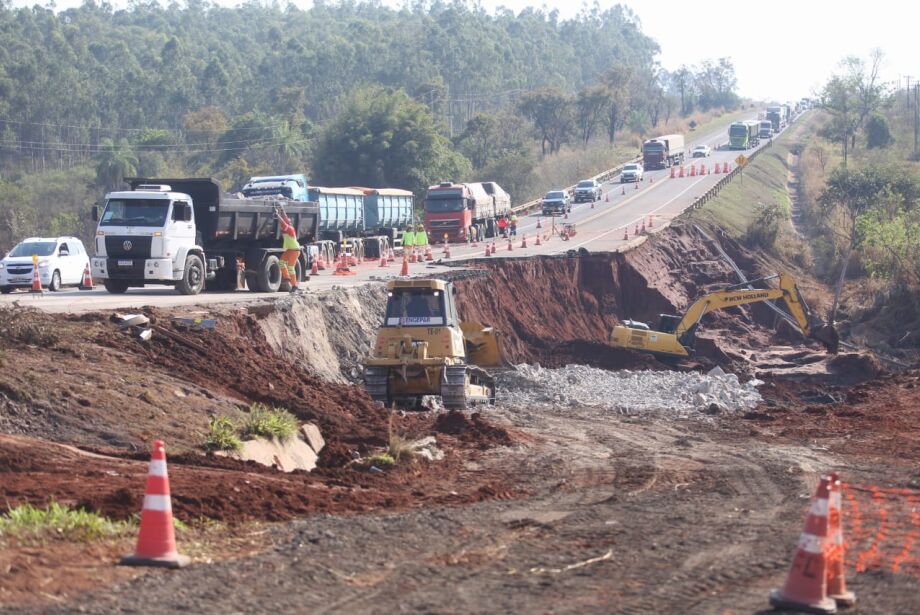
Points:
[[827, 335]]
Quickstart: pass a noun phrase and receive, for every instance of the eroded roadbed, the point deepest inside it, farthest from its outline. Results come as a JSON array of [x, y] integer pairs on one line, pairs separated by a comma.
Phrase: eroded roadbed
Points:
[[619, 515]]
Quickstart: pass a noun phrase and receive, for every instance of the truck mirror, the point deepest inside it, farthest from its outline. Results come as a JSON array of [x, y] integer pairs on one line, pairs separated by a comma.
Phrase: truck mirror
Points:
[[187, 212], [94, 212]]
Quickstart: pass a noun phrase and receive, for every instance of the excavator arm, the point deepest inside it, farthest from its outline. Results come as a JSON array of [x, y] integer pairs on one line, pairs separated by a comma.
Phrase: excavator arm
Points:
[[679, 340]]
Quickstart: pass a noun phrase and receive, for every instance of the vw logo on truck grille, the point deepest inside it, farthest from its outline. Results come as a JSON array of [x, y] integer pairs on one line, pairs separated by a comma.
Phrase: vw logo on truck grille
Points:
[[127, 245]]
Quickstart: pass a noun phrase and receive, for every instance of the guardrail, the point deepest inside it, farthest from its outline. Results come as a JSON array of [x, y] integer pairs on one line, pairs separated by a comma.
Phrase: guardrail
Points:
[[601, 177], [726, 179]]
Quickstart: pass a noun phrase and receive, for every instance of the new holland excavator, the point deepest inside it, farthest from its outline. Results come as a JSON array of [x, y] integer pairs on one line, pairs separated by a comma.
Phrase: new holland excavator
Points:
[[675, 335], [423, 349]]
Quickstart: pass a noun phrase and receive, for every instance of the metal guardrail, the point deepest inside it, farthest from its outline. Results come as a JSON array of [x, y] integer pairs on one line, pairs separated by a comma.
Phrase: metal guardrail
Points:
[[726, 179], [601, 177]]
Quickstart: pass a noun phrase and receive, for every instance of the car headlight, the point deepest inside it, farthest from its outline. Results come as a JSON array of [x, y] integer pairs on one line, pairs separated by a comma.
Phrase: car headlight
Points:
[[42, 264], [2, 266]]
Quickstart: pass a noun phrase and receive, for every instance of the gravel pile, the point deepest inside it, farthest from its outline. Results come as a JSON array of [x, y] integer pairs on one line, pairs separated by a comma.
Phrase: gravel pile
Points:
[[627, 392]]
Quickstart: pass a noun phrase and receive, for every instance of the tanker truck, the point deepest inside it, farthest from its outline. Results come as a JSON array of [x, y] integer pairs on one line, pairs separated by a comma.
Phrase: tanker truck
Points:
[[184, 233]]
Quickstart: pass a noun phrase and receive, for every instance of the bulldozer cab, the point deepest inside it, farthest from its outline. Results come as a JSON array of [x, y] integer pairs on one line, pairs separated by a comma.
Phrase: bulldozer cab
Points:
[[415, 304]]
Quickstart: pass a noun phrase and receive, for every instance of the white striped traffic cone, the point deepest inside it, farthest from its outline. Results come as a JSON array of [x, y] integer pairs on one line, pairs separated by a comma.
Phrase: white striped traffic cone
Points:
[[806, 584], [836, 576], [156, 540]]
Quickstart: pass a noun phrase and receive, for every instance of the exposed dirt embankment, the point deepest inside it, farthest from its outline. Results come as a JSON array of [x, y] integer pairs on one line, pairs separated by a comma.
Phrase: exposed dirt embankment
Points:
[[557, 310]]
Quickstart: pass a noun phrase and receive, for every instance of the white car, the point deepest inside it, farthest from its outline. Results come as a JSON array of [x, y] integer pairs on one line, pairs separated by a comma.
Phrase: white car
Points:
[[61, 262], [701, 151], [631, 172]]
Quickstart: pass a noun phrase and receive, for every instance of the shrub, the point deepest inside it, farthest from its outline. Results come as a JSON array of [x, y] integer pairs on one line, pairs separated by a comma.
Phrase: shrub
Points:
[[222, 435], [270, 423]]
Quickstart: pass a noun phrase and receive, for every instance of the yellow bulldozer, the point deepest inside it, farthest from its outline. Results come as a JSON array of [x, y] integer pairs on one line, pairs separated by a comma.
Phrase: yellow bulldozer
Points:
[[675, 335], [423, 349]]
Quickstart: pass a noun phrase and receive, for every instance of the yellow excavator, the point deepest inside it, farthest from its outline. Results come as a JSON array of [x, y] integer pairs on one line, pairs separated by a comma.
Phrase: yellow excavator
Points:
[[423, 349], [675, 335]]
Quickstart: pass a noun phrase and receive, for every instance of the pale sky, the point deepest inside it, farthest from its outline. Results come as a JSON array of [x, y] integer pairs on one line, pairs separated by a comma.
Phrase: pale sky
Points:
[[782, 49]]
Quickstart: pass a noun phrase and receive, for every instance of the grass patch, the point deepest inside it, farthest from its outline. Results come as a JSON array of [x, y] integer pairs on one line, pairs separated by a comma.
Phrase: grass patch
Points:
[[26, 522], [270, 423], [398, 448], [382, 460], [222, 435]]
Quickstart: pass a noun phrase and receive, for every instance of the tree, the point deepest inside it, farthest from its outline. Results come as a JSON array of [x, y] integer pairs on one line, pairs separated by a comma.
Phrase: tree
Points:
[[617, 80], [590, 108], [115, 161], [878, 135], [847, 197], [550, 109], [851, 98], [385, 139], [682, 81], [291, 146]]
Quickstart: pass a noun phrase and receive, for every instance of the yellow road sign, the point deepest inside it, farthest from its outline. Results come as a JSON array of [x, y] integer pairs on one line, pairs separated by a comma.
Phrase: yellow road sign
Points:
[[741, 160]]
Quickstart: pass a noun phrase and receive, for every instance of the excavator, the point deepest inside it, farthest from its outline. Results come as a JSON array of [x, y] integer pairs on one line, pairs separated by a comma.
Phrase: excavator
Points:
[[675, 335], [423, 349]]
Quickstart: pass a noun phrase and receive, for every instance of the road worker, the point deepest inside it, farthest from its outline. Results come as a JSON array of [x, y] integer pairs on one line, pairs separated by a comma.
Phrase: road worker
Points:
[[408, 239], [502, 225], [514, 224], [421, 237], [291, 248]]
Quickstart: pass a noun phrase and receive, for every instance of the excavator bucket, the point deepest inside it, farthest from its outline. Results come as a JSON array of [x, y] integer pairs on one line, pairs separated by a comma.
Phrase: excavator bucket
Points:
[[827, 335], [483, 345]]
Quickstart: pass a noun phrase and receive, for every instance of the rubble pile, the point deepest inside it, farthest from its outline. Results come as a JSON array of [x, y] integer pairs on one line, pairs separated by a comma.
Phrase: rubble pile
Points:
[[684, 394]]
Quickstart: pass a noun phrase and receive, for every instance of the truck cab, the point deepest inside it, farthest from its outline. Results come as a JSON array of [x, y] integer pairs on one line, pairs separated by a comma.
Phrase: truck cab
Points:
[[148, 235], [292, 187]]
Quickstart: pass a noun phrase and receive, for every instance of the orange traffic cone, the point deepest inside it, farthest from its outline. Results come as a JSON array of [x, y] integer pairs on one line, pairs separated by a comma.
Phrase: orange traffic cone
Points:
[[538, 223], [681, 174], [592, 204], [405, 265], [314, 270], [390, 256], [651, 221], [692, 170], [726, 167], [488, 250], [156, 540], [524, 241], [622, 190], [510, 247], [836, 576], [606, 197], [718, 169], [643, 225], [702, 169], [429, 255], [36, 280], [87, 279], [342, 267], [383, 260], [636, 186], [636, 232], [446, 251], [673, 172], [806, 585], [538, 240], [625, 233]]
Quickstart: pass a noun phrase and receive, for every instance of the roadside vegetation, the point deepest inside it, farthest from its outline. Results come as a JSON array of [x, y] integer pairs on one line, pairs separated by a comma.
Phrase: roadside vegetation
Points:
[[421, 96], [27, 523], [226, 434]]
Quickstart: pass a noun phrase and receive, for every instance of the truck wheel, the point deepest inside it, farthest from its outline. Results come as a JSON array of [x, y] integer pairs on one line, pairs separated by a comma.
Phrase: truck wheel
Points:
[[192, 281], [116, 287], [268, 278]]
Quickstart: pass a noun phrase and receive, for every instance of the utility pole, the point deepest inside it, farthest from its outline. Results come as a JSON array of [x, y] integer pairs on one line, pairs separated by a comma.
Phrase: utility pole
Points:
[[908, 90], [916, 120]]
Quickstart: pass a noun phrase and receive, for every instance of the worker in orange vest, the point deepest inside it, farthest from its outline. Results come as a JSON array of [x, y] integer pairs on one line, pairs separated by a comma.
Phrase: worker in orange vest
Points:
[[291, 248]]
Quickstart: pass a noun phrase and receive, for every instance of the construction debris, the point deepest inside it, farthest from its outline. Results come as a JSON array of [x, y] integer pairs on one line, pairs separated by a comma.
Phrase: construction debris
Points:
[[684, 394]]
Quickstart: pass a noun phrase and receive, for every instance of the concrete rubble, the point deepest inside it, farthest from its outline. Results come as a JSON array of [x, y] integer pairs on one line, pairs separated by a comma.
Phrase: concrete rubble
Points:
[[684, 394]]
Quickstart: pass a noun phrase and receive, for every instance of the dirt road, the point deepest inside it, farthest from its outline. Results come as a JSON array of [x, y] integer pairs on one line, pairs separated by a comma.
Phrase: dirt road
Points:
[[621, 515]]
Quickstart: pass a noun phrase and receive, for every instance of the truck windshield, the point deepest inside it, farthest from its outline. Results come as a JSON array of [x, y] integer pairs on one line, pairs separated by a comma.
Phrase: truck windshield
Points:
[[28, 248], [443, 205], [284, 191], [654, 147], [737, 130], [135, 212], [415, 307]]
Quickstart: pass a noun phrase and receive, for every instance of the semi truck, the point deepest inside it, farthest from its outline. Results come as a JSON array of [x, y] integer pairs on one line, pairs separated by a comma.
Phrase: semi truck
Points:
[[183, 232], [766, 129], [453, 210], [664, 151], [743, 135]]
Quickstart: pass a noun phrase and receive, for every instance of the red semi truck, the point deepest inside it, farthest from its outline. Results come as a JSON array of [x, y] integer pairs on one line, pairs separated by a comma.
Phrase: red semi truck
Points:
[[454, 209]]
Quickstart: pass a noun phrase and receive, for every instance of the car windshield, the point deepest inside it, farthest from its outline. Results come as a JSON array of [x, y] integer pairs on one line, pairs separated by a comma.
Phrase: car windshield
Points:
[[28, 248], [554, 195], [586, 184], [407, 307], [701, 148], [631, 167], [135, 212]]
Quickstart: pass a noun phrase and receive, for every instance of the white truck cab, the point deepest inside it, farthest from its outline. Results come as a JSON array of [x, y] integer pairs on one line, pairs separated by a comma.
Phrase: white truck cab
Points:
[[148, 235]]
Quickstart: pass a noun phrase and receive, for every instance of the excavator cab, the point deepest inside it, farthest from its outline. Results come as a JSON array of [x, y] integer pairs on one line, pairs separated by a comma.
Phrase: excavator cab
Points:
[[667, 323], [422, 349]]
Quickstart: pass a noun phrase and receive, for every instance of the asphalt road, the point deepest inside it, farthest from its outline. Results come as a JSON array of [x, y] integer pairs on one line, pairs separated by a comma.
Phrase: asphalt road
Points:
[[607, 225]]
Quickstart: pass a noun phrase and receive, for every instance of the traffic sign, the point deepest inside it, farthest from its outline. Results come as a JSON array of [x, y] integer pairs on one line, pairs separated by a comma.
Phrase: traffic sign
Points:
[[741, 160]]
